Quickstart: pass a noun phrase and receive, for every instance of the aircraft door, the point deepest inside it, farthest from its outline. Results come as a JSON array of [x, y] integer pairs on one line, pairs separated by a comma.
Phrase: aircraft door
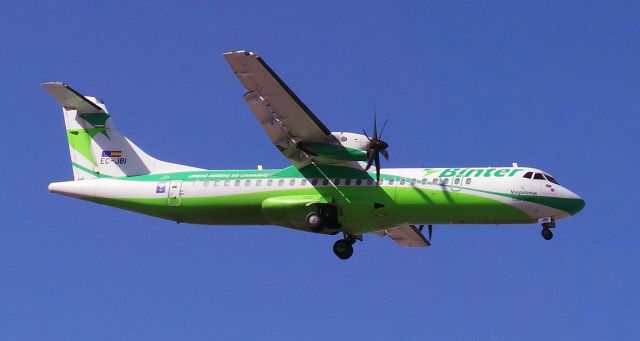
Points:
[[456, 182], [175, 192]]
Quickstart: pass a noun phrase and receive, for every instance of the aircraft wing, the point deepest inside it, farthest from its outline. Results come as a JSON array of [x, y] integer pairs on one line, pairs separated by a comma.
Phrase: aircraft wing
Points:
[[406, 235], [286, 120]]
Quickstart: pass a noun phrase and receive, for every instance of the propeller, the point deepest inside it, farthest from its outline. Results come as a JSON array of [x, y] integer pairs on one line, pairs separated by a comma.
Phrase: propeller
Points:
[[376, 147]]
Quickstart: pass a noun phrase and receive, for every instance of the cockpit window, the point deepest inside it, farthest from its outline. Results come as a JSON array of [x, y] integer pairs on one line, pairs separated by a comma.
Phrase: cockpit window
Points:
[[551, 179], [528, 175], [538, 176]]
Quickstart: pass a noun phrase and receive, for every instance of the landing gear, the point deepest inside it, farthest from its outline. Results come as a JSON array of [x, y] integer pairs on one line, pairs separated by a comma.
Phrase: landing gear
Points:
[[546, 230], [343, 248], [323, 219], [315, 221]]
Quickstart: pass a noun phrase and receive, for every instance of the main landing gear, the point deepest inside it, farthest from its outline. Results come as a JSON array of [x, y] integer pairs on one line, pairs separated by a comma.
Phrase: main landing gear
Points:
[[343, 248], [315, 221], [546, 230], [323, 218]]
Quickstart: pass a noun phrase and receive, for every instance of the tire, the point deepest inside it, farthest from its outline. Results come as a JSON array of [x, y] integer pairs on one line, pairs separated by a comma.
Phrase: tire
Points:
[[343, 249], [315, 221], [546, 234]]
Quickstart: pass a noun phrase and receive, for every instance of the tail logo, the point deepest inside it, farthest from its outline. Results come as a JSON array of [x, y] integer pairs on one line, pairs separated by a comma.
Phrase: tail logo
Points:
[[161, 187]]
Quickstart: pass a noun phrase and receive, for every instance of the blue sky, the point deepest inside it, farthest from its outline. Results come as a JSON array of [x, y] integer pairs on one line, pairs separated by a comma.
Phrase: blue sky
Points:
[[550, 84]]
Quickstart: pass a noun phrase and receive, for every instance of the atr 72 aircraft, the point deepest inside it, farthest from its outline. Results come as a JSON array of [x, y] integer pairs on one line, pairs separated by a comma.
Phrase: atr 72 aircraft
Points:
[[329, 188]]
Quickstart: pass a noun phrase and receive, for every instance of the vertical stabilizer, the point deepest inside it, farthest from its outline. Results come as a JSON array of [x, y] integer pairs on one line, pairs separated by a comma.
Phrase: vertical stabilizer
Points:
[[96, 147]]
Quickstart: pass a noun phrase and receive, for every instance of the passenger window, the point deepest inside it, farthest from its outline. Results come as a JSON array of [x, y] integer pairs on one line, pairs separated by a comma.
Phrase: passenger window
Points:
[[445, 181], [347, 182], [538, 176], [435, 181], [247, 182], [325, 182], [303, 182], [413, 182], [314, 182], [456, 181], [258, 182], [391, 181], [467, 181], [528, 175], [216, 183], [359, 182], [206, 184], [270, 182], [226, 183], [280, 182], [292, 182], [336, 182], [237, 183], [425, 181], [369, 182]]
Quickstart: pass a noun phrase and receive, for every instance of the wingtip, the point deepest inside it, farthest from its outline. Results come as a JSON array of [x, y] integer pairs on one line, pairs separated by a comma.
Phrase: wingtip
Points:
[[45, 84], [240, 52]]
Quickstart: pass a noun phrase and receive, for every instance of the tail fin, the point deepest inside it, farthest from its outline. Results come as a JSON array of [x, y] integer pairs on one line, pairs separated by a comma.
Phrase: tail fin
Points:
[[97, 148]]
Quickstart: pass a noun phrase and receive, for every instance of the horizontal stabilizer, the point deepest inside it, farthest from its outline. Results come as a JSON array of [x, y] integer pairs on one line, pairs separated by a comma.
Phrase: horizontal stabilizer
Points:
[[70, 99]]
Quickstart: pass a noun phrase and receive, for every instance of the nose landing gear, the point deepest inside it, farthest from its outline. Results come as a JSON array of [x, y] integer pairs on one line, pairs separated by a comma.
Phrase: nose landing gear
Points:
[[546, 230]]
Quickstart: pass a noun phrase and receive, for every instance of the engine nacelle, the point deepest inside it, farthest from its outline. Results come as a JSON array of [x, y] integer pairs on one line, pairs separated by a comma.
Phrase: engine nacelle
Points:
[[345, 147]]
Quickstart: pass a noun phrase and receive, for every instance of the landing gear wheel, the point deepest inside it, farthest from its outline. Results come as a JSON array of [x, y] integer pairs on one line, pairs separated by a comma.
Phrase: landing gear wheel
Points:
[[343, 248], [546, 234], [315, 221]]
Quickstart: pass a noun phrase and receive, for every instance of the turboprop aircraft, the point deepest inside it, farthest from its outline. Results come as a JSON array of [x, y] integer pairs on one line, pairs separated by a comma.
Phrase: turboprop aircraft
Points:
[[329, 188]]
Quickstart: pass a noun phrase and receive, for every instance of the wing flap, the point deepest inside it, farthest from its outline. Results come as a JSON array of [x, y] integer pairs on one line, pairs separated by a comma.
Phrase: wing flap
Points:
[[406, 235], [256, 76]]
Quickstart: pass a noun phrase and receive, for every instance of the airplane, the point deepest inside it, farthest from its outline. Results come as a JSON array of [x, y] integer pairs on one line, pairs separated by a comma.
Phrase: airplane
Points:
[[329, 188]]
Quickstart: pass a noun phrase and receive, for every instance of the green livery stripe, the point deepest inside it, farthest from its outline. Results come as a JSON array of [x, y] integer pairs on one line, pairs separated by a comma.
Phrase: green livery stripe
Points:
[[569, 205], [355, 203], [308, 172], [80, 141]]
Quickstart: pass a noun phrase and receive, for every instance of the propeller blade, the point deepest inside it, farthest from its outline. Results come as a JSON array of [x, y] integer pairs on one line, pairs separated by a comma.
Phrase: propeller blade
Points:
[[430, 231], [370, 156], [383, 126], [377, 159], [375, 127], [385, 153], [367, 136]]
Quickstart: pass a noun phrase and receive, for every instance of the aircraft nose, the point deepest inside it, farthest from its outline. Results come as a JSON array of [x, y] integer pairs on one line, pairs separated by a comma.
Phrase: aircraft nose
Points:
[[576, 204]]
